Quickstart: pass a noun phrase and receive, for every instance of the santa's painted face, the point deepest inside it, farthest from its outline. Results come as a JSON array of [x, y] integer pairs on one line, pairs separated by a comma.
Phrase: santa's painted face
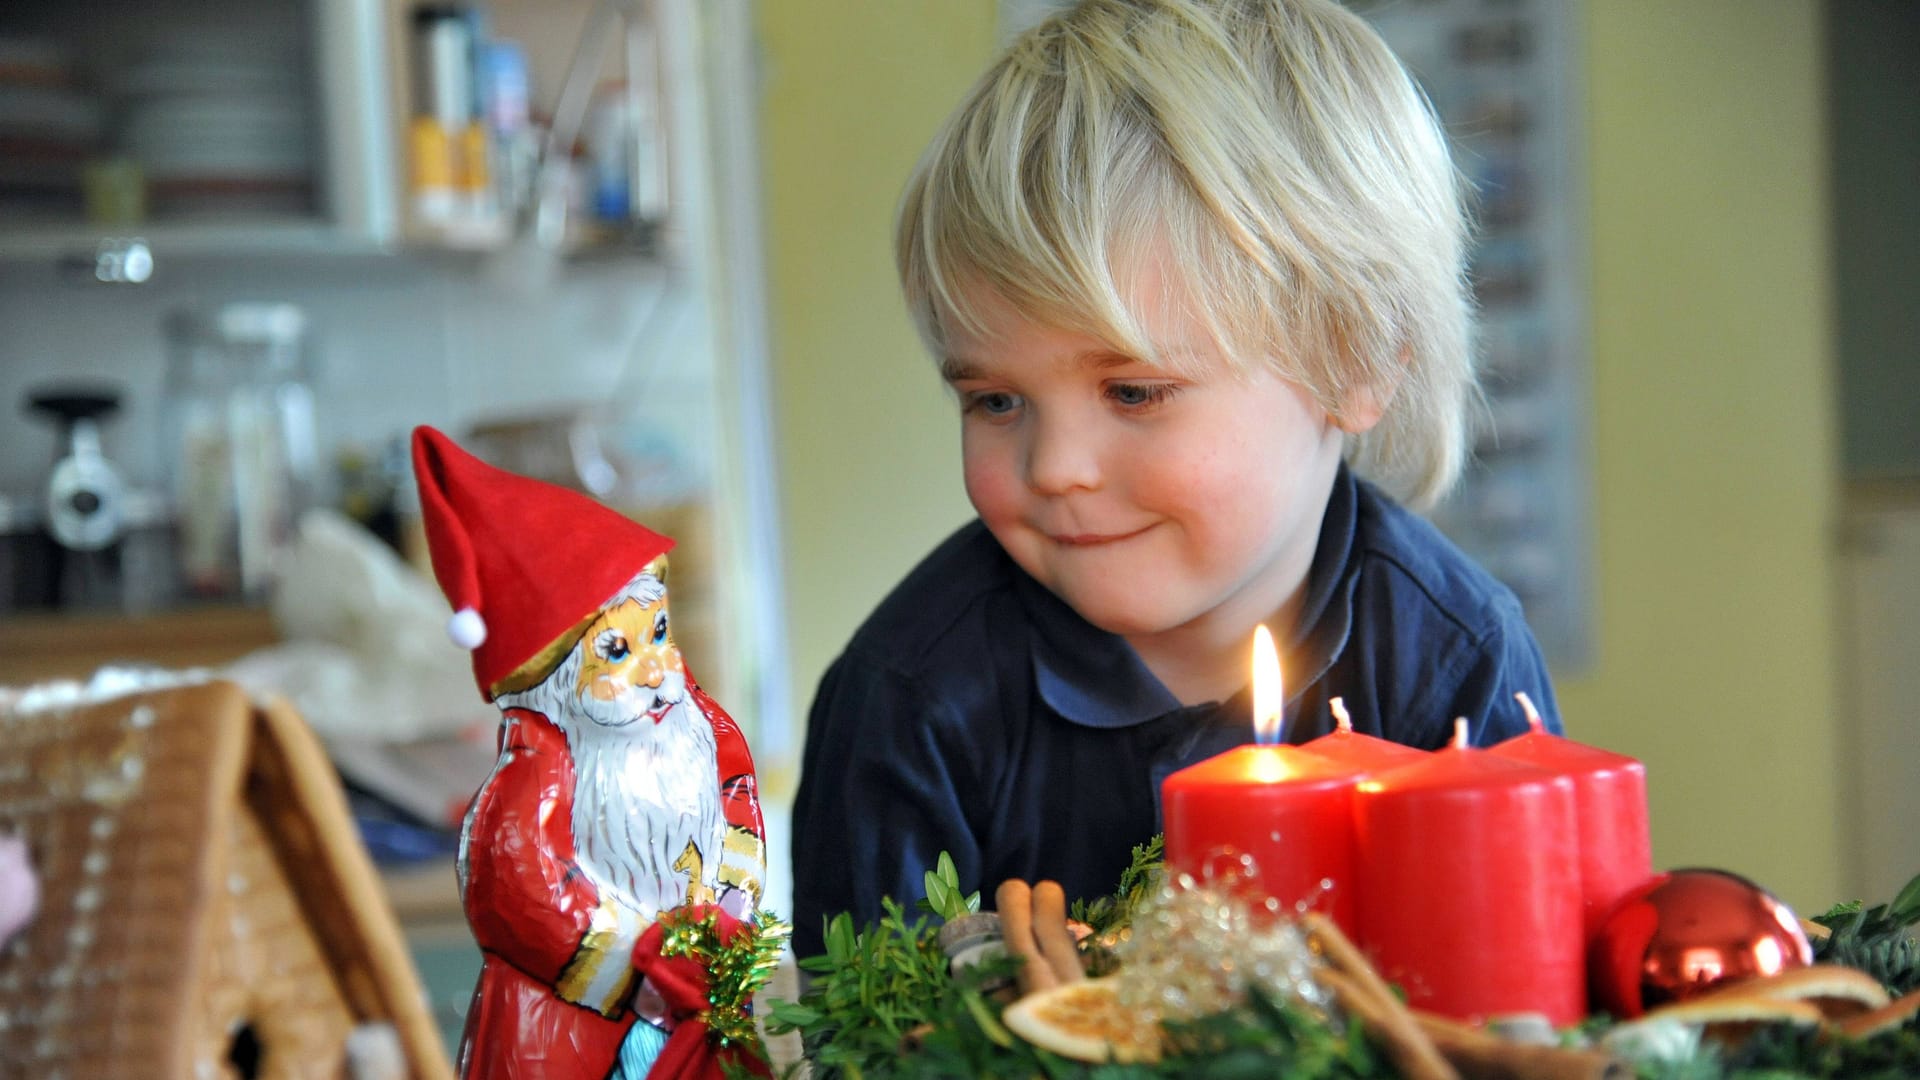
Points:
[[630, 668]]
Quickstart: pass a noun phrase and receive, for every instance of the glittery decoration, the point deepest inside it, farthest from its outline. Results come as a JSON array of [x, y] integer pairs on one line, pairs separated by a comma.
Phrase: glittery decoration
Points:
[[1196, 946], [736, 970]]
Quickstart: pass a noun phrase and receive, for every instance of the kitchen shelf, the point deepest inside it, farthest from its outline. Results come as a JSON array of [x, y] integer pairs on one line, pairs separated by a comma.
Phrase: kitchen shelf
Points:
[[38, 647], [303, 238], [289, 236]]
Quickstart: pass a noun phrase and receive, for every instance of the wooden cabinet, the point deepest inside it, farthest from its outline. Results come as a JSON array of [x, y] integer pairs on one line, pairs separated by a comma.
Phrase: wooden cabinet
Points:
[[35, 648], [218, 126], [249, 127]]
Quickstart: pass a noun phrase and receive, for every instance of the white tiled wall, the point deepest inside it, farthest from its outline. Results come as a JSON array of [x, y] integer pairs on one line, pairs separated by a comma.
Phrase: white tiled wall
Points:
[[396, 342]]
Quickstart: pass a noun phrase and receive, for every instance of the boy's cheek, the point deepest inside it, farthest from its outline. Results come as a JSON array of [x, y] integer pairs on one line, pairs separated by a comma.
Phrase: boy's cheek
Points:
[[989, 485]]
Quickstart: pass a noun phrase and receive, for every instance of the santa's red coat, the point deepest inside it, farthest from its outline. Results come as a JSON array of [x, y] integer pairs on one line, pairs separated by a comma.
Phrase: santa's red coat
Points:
[[556, 981]]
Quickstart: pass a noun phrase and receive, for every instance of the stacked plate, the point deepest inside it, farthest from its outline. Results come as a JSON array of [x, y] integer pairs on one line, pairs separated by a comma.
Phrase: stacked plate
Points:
[[219, 122], [49, 126]]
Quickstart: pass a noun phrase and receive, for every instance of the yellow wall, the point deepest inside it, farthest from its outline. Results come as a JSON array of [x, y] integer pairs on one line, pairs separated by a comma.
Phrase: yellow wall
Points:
[[1713, 478], [868, 440]]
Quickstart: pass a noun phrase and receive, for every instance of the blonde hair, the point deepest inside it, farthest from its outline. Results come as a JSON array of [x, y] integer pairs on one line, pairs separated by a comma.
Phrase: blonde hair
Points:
[[1271, 157]]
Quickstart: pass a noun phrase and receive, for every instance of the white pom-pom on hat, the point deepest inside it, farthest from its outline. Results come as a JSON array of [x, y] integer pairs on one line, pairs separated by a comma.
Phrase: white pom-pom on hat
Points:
[[467, 629]]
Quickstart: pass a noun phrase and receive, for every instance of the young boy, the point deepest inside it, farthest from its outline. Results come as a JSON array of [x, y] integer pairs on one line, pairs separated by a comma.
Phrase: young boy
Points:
[[1183, 262]]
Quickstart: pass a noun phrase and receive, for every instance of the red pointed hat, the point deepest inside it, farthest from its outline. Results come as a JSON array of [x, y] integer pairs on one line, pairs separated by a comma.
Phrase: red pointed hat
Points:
[[521, 561]]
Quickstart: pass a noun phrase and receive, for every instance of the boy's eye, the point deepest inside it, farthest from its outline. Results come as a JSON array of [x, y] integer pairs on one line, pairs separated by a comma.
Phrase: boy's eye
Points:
[[660, 629], [1137, 395], [991, 402]]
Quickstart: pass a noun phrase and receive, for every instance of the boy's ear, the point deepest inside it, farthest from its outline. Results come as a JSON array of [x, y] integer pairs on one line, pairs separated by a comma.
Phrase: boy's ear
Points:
[[1361, 408], [1363, 405]]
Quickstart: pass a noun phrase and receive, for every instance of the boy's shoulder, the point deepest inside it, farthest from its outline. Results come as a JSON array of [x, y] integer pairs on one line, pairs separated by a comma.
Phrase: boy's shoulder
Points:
[[1408, 557], [1420, 633], [941, 601]]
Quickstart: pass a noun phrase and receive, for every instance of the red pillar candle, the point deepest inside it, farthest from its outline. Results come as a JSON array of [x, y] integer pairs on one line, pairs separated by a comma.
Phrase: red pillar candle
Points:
[[1362, 753], [1467, 873], [1610, 805], [1289, 810]]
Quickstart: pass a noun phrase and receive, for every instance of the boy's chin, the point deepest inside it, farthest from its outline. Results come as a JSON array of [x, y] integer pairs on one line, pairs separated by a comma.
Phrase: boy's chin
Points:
[[1124, 619]]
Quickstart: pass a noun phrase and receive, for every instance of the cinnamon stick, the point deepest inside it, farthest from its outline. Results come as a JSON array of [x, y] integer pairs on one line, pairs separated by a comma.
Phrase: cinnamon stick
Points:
[[1481, 1056], [1014, 901], [1052, 935], [1362, 992]]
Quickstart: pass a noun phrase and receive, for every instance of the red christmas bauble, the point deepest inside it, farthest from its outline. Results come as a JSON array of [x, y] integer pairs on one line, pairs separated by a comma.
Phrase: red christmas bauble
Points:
[[1686, 931]]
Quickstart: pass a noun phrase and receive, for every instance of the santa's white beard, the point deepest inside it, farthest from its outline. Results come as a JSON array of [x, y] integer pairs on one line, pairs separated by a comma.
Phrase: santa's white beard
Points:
[[641, 794]]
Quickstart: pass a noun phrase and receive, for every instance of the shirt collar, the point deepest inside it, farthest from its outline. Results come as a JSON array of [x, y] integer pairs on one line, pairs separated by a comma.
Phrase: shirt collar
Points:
[[1095, 679], [1085, 674]]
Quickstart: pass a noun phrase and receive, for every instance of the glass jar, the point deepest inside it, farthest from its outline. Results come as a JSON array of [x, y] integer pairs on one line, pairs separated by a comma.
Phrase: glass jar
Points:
[[241, 446]]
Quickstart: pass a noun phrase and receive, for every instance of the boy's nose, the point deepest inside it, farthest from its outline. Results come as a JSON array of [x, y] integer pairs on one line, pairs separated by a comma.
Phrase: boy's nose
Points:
[[1061, 458]]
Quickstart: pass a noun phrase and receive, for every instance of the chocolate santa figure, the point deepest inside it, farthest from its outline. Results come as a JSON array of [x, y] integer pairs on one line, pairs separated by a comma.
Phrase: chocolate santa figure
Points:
[[622, 791]]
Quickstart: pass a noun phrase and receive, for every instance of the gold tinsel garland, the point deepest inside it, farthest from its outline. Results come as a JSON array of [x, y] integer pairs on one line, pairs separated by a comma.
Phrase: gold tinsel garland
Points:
[[736, 969]]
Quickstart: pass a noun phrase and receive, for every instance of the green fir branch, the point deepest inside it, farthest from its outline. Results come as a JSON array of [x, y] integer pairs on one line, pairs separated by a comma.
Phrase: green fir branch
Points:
[[883, 1005], [1878, 940], [1115, 912]]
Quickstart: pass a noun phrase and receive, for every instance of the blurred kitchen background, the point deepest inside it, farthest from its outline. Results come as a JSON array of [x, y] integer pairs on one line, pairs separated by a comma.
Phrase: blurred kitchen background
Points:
[[642, 247]]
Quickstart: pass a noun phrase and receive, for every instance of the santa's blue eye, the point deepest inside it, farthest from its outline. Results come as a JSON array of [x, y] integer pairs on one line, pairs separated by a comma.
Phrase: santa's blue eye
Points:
[[613, 645], [660, 629]]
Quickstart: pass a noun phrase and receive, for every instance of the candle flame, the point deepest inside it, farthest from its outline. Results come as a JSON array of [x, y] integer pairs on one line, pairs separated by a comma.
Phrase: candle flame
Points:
[[1268, 767], [1459, 733], [1533, 715], [1268, 696], [1340, 716]]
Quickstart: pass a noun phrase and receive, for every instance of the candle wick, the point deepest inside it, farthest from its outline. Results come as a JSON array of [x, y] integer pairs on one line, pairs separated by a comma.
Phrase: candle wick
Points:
[[1267, 730], [1340, 716], [1460, 733], [1533, 715]]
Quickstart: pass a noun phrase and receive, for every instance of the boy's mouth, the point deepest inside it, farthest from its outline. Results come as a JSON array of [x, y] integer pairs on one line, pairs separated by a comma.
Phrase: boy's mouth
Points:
[[1094, 539]]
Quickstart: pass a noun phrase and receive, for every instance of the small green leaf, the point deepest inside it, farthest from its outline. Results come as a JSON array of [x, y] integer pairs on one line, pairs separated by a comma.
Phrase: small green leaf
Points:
[[840, 938], [943, 897], [794, 1014], [1905, 908], [990, 1026]]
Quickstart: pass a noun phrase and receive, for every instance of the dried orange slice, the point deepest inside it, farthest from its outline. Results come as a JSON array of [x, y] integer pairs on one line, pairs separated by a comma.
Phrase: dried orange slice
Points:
[[1085, 1021]]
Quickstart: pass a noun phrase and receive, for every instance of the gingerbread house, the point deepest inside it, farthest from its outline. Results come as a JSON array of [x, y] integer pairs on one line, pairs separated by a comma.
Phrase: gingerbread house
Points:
[[207, 909]]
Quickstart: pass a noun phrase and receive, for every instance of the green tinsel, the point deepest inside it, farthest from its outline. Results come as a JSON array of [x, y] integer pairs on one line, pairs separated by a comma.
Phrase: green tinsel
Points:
[[736, 970]]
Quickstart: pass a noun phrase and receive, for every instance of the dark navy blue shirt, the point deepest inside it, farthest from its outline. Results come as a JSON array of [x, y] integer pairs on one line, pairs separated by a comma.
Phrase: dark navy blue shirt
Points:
[[976, 713]]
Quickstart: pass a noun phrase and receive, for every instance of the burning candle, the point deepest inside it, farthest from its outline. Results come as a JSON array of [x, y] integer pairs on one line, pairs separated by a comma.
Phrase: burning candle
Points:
[[1362, 753], [1467, 874], [1290, 810], [1610, 808]]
